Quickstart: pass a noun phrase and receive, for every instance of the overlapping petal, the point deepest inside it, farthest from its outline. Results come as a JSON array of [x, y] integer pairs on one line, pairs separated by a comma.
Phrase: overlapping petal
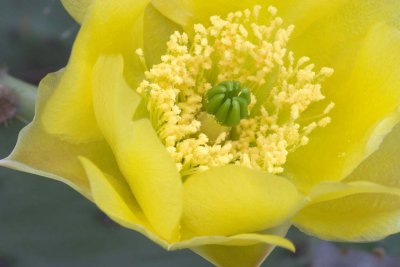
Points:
[[367, 108], [187, 13], [235, 256], [243, 250], [156, 32], [58, 159], [357, 211], [237, 200], [111, 27], [113, 196], [302, 13], [142, 158], [365, 206], [382, 167]]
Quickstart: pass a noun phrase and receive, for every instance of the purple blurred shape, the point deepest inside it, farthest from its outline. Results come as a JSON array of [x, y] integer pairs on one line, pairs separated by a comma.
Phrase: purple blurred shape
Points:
[[326, 254]]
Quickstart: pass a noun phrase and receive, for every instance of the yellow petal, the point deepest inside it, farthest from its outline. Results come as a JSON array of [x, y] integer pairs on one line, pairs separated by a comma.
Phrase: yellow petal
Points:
[[333, 190], [382, 167], [366, 110], [304, 13], [112, 195], [142, 158], [301, 13], [111, 27], [246, 250], [43, 154], [186, 13], [358, 211], [231, 200], [156, 33], [77, 8], [235, 240], [235, 256], [239, 250], [334, 39]]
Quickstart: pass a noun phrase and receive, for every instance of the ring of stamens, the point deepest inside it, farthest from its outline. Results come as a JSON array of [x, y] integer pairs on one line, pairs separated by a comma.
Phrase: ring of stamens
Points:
[[278, 90]]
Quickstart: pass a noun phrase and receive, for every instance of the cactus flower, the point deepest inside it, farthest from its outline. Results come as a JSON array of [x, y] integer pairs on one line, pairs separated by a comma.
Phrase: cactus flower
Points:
[[216, 125]]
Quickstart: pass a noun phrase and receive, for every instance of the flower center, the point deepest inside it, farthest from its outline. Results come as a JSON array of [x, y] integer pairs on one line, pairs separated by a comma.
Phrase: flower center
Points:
[[234, 94], [228, 101]]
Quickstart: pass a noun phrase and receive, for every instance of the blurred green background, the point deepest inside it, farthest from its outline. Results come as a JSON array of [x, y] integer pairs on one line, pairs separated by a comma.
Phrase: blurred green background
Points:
[[44, 223]]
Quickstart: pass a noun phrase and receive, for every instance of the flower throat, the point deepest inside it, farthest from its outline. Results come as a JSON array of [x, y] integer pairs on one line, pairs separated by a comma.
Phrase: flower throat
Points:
[[234, 94]]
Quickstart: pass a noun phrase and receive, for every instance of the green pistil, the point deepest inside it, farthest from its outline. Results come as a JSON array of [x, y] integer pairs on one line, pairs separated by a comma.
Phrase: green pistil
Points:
[[228, 102]]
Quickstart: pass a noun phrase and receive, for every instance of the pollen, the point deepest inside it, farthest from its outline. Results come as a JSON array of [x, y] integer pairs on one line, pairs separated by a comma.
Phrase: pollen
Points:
[[247, 47]]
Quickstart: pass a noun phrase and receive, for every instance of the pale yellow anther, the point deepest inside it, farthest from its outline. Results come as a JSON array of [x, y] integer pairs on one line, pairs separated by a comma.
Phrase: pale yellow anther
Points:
[[272, 10], [235, 48], [324, 122], [256, 12], [329, 108], [139, 52]]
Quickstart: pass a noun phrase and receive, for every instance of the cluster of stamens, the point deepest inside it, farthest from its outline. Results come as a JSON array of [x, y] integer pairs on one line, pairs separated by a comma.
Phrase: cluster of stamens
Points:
[[239, 72]]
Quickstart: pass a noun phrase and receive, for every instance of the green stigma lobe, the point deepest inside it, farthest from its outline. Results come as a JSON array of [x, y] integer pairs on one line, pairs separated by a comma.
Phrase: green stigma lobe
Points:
[[228, 101]]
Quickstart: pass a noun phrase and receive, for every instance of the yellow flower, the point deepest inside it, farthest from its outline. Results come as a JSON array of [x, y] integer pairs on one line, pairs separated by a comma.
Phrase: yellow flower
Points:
[[202, 125]]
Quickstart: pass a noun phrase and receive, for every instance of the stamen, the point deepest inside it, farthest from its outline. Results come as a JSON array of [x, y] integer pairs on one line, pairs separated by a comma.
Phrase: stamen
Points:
[[142, 60], [229, 102]]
